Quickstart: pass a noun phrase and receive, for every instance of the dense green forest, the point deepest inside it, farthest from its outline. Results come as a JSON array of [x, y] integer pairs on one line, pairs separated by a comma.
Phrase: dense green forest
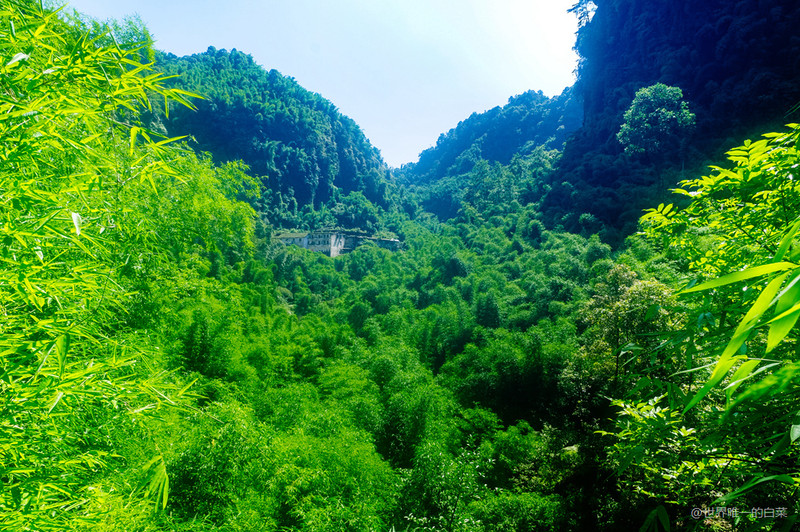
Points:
[[526, 362], [736, 63], [529, 131], [310, 157]]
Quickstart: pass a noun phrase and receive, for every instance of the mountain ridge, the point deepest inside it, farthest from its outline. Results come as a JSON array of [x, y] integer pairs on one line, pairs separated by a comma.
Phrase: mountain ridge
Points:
[[305, 147]]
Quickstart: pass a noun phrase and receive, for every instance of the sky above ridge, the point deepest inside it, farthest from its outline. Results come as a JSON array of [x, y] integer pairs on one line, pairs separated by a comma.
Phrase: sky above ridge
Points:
[[404, 70]]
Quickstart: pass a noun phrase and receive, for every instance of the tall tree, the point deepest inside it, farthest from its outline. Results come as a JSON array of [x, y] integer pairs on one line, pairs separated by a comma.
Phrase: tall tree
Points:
[[657, 122]]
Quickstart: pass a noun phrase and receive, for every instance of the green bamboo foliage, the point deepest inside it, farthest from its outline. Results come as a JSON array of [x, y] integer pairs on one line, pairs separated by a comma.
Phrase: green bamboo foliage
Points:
[[739, 389], [749, 215], [65, 105]]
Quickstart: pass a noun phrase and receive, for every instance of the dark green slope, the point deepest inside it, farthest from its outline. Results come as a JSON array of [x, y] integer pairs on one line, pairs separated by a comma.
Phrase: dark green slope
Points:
[[528, 121], [304, 147], [736, 63]]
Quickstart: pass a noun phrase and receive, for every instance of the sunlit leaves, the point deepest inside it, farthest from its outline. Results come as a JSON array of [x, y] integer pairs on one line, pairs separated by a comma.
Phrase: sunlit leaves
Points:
[[742, 215], [739, 233], [64, 103], [658, 457], [156, 481]]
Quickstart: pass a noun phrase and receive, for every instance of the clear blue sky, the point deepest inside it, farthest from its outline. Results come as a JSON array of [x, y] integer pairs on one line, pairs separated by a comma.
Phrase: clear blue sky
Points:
[[404, 70]]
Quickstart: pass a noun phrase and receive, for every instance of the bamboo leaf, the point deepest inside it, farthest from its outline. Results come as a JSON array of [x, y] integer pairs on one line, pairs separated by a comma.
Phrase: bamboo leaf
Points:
[[57, 399], [17, 58], [720, 370], [62, 348], [740, 375], [134, 133], [770, 386], [663, 517], [787, 311], [155, 482], [763, 302], [658, 514], [90, 139], [787, 241], [743, 330], [76, 221], [786, 479], [186, 388], [756, 271], [788, 524]]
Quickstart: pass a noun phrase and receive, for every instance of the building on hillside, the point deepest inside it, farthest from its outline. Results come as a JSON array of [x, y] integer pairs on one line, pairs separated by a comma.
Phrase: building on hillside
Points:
[[294, 239], [334, 242], [330, 243]]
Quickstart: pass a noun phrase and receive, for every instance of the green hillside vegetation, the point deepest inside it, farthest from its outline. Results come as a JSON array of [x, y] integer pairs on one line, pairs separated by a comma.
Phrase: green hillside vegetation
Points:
[[166, 365], [308, 155], [523, 138], [498, 135], [736, 64]]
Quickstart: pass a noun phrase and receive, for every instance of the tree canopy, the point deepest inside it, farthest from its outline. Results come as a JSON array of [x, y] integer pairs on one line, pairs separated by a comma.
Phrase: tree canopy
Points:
[[658, 120]]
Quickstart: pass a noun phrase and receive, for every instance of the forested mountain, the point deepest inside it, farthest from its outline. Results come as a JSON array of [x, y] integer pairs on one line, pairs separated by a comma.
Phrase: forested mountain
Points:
[[305, 150], [736, 63], [528, 121], [494, 159], [166, 365]]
